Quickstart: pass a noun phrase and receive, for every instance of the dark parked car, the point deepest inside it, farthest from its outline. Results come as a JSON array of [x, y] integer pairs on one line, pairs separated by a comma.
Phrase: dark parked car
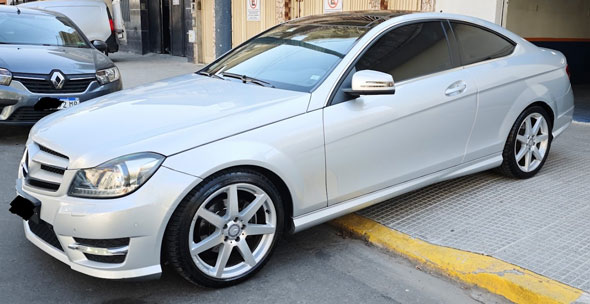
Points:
[[47, 64]]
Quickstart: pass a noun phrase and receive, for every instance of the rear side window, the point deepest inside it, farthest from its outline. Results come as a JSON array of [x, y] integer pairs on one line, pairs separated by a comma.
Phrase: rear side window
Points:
[[409, 51], [477, 44]]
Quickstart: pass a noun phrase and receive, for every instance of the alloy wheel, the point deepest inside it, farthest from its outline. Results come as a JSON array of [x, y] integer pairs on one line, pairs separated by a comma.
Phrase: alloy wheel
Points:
[[532, 141], [232, 231]]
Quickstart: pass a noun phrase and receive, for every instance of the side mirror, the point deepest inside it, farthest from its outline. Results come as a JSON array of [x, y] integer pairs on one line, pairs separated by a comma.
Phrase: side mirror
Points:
[[369, 82], [99, 45]]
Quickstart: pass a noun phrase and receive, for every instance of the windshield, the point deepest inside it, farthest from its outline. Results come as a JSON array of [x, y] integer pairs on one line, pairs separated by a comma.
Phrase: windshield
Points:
[[293, 57], [39, 30]]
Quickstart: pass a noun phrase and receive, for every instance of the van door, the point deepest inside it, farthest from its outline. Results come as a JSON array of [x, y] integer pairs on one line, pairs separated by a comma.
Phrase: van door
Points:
[[119, 22]]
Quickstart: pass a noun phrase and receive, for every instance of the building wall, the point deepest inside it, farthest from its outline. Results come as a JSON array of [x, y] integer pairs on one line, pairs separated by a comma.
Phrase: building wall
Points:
[[561, 25], [136, 28], [490, 10], [188, 25], [273, 12], [242, 29], [549, 18], [207, 45]]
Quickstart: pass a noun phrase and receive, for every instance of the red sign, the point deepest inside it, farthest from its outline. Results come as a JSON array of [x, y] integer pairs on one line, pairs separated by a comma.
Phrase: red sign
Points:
[[254, 3]]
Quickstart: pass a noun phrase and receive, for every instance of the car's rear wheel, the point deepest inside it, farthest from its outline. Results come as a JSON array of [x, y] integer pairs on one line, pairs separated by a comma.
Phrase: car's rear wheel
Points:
[[226, 229], [528, 144]]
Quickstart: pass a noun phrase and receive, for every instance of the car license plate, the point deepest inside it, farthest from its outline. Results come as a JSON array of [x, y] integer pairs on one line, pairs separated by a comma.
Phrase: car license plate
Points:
[[67, 102], [25, 208]]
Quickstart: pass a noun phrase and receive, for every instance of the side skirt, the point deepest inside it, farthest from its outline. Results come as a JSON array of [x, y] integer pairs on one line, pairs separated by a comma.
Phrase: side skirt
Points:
[[325, 214]]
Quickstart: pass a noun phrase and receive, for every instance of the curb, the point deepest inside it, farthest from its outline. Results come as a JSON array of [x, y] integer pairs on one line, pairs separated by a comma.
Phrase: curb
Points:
[[510, 281]]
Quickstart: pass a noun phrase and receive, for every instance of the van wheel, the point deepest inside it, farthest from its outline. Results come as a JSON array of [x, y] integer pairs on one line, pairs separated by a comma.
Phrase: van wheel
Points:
[[226, 229], [528, 144]]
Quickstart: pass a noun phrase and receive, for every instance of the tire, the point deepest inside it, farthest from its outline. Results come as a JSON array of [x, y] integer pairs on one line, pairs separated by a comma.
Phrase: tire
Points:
[[241, 241], [528, 144]]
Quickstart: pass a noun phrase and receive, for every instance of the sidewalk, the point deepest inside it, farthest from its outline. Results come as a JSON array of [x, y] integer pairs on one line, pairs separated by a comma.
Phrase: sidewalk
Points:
[[541, 224], [159, 66]]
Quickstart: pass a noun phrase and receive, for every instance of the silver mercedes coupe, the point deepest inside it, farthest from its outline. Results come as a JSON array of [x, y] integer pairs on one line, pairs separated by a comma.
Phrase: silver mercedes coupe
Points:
[[310, 120]]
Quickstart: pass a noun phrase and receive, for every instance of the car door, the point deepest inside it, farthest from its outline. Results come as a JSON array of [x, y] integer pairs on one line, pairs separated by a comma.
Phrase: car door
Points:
[[485, 56], [376, 141]]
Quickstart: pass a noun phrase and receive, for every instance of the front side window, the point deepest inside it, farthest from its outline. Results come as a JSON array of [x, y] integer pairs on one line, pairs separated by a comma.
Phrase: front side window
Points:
[[477, 44], [293, 57], [409, 51], [39, 30]]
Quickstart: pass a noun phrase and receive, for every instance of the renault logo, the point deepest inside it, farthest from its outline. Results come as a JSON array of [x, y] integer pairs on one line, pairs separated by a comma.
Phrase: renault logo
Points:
[[57, 79]]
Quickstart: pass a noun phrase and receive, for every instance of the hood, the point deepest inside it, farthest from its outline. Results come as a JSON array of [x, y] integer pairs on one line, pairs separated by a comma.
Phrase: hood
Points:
[[39, 59], [165, 117]]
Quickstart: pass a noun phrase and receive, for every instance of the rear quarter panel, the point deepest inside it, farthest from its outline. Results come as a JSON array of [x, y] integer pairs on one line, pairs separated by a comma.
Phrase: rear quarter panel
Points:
[[509, 85]]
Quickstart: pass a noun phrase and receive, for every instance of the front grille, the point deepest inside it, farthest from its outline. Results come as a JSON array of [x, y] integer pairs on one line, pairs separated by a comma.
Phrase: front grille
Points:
[[42, 84], [104, 243], [28, 114], [47, 150], [41, 184], [45, 231], [53, 169], [44, 167]]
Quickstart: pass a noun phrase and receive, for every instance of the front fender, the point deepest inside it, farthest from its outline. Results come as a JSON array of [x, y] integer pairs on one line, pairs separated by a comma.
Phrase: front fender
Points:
[[292, 149]]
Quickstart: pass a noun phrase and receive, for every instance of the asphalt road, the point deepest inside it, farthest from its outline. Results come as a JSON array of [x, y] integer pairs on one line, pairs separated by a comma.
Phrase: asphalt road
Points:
[[315, 266]]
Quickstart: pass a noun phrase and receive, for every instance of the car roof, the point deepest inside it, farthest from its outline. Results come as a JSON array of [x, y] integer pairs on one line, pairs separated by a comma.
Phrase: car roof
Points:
[[367, 19], [26, 11]]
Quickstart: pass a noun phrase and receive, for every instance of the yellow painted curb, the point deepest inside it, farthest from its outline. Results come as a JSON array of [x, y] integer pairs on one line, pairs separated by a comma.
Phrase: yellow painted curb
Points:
[[514, 283]]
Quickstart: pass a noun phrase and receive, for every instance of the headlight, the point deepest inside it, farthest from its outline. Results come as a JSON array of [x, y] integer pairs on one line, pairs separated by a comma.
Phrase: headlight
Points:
[[108, 75], [117, 177], [5, 77]]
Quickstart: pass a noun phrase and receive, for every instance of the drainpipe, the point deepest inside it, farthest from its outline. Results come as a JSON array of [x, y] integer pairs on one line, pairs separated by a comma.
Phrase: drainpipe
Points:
[[222, 27]]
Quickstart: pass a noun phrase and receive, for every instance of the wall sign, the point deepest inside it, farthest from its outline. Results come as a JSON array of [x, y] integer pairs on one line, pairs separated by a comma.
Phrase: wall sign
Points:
[[253, 11], [175, 2], [331, 6]]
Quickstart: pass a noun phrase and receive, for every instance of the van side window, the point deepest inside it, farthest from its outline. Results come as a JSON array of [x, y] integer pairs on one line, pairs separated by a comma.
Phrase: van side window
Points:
[[409, 51], [478, 45]]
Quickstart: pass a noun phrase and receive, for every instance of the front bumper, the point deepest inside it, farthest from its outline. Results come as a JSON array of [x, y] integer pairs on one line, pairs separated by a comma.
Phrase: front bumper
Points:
[[17, 97], [141, 216]]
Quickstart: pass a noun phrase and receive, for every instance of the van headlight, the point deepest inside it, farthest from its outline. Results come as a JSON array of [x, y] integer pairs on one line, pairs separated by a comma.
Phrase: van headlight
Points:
[[117, 177], [108, 75]]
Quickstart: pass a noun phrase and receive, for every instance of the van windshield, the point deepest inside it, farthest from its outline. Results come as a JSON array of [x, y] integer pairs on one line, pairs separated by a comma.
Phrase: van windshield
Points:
[[39, 30], [292, 57]]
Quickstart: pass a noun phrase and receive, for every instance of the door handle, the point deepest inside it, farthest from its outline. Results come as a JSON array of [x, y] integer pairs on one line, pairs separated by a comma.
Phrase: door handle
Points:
[[456, 88]]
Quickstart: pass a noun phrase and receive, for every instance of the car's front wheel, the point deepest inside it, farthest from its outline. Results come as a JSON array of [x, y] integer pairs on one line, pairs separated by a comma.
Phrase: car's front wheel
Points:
[[225, 230], [528, 144]]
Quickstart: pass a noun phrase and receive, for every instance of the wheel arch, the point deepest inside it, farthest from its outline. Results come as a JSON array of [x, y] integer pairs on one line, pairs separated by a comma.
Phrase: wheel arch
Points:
[[528, 98], [284, 190], [547, 108]]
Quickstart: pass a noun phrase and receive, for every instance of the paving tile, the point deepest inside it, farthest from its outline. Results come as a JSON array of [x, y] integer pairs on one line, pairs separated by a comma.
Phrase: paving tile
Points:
[[542, 223]]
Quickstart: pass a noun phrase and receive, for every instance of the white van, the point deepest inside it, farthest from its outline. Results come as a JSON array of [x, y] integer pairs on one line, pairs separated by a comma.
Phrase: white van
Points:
[[93, 17]]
